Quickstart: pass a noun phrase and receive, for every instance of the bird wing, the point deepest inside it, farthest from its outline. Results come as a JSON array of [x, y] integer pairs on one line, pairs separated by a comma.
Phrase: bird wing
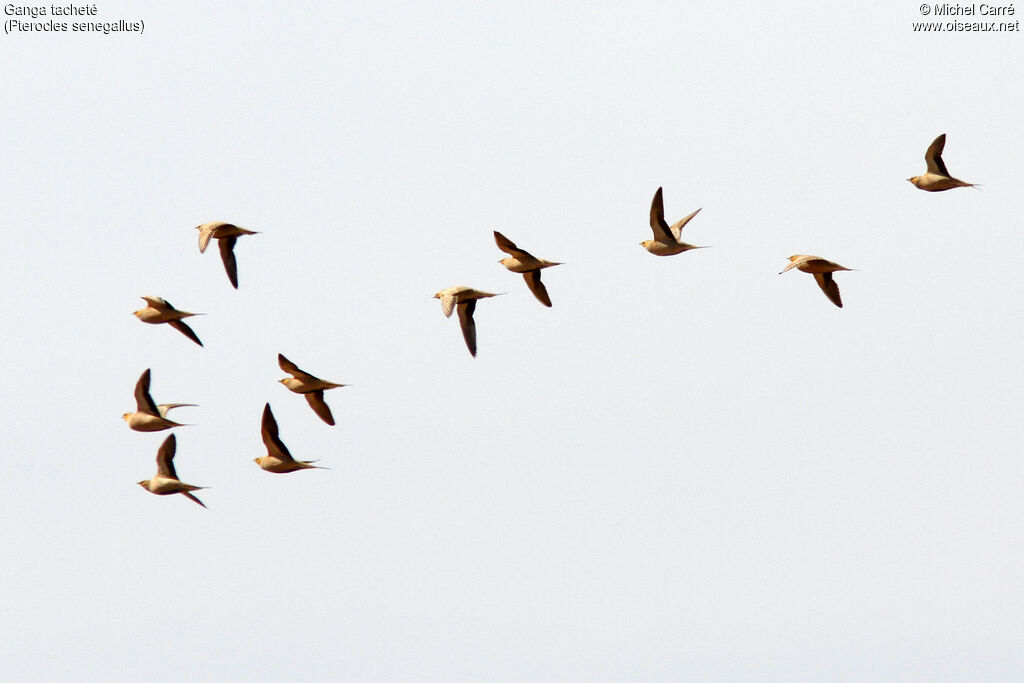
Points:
[[509, 247], [448, 304], [205, 233], [537, 287], [185, 330], [227, 255], [164, 407], [677, 228], [468, 325], [143, 401], [293, 369], [829, 286], [165, 458], [933, 156], [268, 430], [157, 302], [191, 497], [315, 399], [658, 224]]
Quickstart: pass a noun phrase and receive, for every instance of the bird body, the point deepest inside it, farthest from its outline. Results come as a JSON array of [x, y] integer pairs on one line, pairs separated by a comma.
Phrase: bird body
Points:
[[822, 270], [666, 240], [520, 261], [166, 480], [937, 178], [148, 416], [226, 235], [313, 388], [463, 298], [144, 422], [278, 460]]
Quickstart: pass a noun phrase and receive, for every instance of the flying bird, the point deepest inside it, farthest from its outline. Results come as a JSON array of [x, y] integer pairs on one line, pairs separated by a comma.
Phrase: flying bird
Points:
[[158, 311], [666, 239], [278, 460], [148, 416], [226, 235], [524, 262], [301, 382], [822, 270], [166, 480], [937, 178], [465, 298]]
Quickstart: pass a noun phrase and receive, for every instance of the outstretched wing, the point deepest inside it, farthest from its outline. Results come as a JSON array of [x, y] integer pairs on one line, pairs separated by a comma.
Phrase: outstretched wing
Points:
[[205, 233], [658, 224], [143, 401], [829, 286], [227, 255], [677, 228], [315, 399], [933, 156], [509, 247], [268, 430], [468, 325], [185, 330], [165, 458], [448, 304], [191, 497], [291, 368], [537, 287], [164, 407]]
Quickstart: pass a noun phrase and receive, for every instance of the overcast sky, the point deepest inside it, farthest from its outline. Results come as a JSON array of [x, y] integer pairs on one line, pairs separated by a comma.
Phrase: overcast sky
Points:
[[689, 468]]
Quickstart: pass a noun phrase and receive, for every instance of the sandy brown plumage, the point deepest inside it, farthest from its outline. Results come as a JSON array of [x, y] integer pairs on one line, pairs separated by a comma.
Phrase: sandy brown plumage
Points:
[[521, 261], [310, 386], [166, 481], [278, 459]]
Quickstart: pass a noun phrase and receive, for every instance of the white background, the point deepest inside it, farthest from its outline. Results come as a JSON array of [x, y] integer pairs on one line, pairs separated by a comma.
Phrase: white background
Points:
[[690, 468]]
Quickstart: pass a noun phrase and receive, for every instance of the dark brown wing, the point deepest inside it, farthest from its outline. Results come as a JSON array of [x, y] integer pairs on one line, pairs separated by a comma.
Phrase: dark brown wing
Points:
[[291, 368], [468, 325], [165, 458], [268, 430], [191, 497], [315, 399], [933, 157], [537, 287], [509, 247], [185, 330], [658, 225], [227, 255], [829, 286], [144, 403]]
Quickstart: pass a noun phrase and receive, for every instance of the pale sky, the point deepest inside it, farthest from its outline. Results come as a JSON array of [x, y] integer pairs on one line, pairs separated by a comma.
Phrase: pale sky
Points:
[[689, 468]]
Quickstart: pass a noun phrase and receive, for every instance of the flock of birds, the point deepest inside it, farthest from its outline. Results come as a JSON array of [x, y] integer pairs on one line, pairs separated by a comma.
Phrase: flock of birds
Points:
[[151, 417]]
